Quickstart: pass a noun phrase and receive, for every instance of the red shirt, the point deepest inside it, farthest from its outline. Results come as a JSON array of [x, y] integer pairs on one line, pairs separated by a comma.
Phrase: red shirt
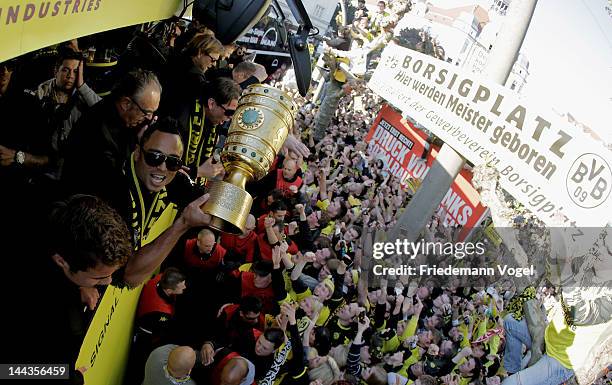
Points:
[[242, 246], [193, 257], [231, 311], [218, 368], [261, 227], [284, 185], [265, 248], [150, 300], [265, 294]]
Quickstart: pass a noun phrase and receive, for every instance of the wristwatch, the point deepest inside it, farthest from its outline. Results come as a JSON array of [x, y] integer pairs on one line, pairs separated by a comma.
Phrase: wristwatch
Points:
[[19, 157]]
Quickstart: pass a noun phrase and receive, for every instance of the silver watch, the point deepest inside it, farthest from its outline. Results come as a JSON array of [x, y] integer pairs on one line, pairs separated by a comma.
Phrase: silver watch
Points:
[[20, 157]]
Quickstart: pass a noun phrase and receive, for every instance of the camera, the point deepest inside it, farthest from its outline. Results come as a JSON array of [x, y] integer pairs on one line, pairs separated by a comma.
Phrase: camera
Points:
[[361, 317]]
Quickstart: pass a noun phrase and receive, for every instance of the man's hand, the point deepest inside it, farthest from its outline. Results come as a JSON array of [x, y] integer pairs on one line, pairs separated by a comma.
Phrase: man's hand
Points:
[[451, 379], [268, 222], [288, 310], [284, 246], [293, 226], [406, 305], [363, 325], [193, 216], [282, 321], [79, 79], [309, 256], [209, 169], [207, 353], [418, 307], [7, 156], [276, 257], [90, 297], [396, 359], [300, 208], [293, 144]]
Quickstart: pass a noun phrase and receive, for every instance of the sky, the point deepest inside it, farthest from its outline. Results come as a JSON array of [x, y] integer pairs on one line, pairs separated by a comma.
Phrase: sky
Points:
[[569, 46]]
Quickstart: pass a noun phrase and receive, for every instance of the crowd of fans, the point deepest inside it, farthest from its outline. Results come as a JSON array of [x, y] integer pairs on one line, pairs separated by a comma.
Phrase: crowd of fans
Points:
[[289, 300]]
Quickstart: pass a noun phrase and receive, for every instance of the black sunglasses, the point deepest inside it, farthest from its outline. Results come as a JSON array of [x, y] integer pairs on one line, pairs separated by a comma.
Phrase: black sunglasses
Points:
[[212, 59], [156, 158], [229, 113]]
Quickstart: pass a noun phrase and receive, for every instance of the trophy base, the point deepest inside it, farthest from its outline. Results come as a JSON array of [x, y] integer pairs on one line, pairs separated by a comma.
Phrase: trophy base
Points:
[[229, 207]]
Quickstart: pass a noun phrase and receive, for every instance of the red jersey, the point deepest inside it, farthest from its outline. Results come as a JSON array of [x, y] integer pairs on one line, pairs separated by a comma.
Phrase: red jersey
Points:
[[284, 185], [265, 294], [265, 248], [150, 300], [241, 246], [193, 257]]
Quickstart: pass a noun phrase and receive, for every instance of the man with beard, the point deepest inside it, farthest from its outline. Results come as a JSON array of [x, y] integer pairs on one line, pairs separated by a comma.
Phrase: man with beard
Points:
[[277, 211], [273, 235]]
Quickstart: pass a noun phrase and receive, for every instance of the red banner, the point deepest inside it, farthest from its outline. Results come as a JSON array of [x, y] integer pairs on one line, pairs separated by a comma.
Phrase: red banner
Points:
[[403, 149]]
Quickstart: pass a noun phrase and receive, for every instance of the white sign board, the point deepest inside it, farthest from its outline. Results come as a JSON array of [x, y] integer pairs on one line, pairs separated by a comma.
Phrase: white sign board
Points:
[[545, 163]]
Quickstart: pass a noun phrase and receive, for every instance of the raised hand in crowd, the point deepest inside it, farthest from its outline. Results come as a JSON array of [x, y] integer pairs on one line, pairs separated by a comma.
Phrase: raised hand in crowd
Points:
[[80, 80], [276, 257], [294, 144], [268, 222], [288, 310]]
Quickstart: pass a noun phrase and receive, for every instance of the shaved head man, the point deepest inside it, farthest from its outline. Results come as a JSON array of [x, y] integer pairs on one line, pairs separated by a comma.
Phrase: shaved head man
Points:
[[250, 225], [206, 241], [170, 364], [289, 168], [180, 361], [235, 371]]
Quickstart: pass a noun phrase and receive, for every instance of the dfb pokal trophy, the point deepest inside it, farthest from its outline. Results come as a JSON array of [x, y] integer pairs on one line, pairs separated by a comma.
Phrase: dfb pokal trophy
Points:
[[258, 130]]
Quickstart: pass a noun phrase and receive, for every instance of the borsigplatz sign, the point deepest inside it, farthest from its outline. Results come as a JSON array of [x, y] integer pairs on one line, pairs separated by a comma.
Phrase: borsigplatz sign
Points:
[[546, 164]]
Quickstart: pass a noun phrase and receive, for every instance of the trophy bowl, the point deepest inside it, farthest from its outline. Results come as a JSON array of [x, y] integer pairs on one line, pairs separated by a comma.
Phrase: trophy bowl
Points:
[[262, 121]]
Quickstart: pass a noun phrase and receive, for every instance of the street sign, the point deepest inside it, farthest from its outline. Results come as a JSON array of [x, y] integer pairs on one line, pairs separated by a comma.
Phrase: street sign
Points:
[[545, 163]]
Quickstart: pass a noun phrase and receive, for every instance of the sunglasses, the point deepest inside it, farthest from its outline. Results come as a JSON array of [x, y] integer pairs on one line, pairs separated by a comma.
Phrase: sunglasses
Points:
[[229, 113], [147, 113], [212, 59], [156, 158]]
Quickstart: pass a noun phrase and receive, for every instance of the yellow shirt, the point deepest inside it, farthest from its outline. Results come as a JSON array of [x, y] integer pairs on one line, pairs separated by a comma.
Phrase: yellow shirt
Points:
[[559, 337]]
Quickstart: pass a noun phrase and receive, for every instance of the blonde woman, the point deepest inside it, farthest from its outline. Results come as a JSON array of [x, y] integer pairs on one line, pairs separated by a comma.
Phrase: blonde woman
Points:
[[324, 369]]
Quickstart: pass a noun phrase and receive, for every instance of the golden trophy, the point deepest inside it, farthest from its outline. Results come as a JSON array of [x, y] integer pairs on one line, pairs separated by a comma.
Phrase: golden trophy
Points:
[[258, 130]]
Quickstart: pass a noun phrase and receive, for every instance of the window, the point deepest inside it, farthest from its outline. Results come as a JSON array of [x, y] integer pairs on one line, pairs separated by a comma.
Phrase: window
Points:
[[318, 11]]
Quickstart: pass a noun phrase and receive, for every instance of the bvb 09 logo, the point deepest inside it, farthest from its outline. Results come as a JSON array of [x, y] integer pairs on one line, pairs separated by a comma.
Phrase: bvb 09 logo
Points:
[[589, 181]]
